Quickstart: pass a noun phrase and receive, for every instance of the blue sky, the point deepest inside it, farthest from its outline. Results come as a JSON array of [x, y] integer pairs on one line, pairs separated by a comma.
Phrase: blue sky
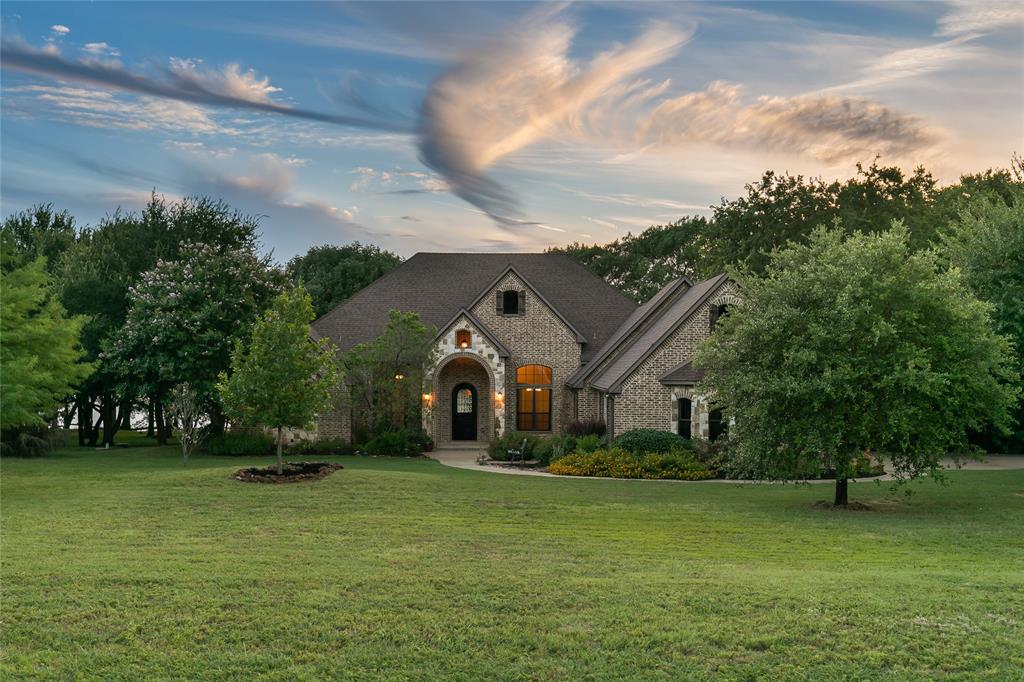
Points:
[[497, 126]]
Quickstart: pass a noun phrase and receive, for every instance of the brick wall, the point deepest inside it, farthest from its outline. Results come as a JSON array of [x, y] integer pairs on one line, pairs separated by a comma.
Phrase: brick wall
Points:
[[644, 401], [536, 337]]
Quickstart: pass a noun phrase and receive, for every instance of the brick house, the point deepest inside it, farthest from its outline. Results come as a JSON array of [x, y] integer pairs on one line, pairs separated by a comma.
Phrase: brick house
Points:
[[531, 342]]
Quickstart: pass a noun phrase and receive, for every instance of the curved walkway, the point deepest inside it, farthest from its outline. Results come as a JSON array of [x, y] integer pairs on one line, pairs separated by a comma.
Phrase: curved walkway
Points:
[[465, 458]]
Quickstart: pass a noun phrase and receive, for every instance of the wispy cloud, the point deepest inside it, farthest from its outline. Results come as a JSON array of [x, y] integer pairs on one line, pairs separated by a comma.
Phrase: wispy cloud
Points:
[[975, 16], [60, 29], [101, 50], [182, 82]]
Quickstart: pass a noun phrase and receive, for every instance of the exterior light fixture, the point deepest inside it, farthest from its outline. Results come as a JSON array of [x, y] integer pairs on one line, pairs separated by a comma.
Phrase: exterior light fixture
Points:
[[464, 345], [427, 397], [399, 376]]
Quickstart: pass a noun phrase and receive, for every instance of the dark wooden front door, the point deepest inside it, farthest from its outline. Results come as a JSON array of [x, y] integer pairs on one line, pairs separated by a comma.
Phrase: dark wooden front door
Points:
[[464, 412]]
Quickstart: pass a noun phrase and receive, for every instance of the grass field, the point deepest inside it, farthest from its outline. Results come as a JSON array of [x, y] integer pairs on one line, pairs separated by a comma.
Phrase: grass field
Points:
[[125, 565]]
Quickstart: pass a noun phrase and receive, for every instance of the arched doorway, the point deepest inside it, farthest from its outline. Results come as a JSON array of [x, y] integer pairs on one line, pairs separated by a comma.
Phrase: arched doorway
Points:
[[464, 412]]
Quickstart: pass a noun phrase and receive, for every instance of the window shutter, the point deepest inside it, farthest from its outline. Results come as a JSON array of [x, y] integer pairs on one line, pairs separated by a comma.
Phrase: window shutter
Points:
[[522, 302], [498, 302]]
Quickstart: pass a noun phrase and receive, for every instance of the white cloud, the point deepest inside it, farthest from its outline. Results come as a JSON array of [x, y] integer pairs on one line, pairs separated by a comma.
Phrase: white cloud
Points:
[[102, 109], [60, 29], [973, 16], [101, 50], [230, 81]]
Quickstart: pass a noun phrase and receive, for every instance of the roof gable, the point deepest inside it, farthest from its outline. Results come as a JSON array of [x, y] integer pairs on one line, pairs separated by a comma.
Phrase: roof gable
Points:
[[611, 378], [481, 327], [439, 285], [511, 269]]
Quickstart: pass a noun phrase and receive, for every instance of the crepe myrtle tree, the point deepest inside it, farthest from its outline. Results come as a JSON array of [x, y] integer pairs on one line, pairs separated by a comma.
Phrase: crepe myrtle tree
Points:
[[281, 378], [187, 411], [854, 346]]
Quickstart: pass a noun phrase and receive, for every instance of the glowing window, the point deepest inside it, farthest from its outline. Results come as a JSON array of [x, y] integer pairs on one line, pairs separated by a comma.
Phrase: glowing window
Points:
[[464, 401], [534, 375]]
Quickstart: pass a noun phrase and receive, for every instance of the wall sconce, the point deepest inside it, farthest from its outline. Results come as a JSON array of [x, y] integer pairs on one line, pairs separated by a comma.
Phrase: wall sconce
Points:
[[428, 398], [499, 399], [399, 376]]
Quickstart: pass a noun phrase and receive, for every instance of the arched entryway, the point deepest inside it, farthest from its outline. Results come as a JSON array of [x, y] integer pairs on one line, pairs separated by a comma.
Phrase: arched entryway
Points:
[[464, 412]]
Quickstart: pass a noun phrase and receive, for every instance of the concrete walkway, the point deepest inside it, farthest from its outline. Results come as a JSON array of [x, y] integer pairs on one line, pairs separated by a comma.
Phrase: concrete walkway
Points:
[[465, 458]]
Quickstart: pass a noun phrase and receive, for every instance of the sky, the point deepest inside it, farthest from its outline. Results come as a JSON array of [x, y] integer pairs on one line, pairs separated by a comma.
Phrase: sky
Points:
[[490, 126]]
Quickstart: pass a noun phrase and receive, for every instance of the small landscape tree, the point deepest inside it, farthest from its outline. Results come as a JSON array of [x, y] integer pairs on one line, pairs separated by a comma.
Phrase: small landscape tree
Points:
[[848, 346], [187, 410], [282, 378]]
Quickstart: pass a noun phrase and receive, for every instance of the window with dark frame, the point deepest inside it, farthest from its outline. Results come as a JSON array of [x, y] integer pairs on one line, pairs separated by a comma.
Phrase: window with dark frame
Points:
[[716, 312], [463, 339], [684, 418], [534, 398], [510, 302], [718, 426]]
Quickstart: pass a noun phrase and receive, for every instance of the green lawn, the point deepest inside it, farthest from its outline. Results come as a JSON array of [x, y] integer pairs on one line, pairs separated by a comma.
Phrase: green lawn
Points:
[[125, 565]]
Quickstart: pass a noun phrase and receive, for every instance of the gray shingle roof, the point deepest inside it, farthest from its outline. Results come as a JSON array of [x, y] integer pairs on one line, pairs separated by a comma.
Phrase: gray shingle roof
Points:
[[637, 318], [611, 377], [682, 375], [438, 285]]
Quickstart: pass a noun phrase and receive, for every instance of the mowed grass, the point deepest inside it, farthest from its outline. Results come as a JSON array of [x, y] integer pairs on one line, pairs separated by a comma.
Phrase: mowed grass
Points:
[[126, 565]]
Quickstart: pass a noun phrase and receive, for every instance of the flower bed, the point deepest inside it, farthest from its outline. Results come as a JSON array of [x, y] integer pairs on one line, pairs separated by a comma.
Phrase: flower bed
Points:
[[292, 472], [617, 463]]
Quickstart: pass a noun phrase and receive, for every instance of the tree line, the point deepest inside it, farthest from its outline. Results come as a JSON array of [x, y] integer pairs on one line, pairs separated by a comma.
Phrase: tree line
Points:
[[101, 322]]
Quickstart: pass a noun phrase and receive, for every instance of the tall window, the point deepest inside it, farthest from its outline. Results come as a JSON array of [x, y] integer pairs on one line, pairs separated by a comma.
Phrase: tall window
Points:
[[534, 398], [685, 408], [718, 426], [463, 339]]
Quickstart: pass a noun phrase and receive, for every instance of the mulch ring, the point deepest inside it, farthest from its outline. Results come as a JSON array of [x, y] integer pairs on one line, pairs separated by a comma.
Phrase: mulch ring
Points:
[[292, 472]]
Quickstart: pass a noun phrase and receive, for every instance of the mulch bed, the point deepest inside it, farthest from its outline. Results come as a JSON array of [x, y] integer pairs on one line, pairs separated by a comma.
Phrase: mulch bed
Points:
[[293, 472]]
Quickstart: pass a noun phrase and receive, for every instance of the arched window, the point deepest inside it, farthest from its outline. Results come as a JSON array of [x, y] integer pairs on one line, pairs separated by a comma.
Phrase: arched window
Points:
[[463, 339], [716, 312], [534, 398]]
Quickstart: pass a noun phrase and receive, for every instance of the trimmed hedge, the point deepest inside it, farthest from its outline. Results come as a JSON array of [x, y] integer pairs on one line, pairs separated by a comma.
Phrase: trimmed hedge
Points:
[[618, 463], [397, 444], [651, 440], [499, 447], [321, 446]]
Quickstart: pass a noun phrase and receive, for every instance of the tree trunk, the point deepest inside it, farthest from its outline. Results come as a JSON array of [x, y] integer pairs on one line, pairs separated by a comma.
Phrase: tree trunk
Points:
[[94, 428], [161, 424], [149, 419], [841, 489], [216, 421], [126, 414], [110, 420], [84, 419], [280, 460]]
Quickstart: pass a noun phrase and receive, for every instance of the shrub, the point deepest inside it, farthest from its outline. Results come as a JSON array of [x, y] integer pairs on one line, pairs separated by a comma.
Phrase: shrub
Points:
[[31, 441], [321, 446], [553, 448], [239, 444], [394, 444], [651, 440], [618, 463], [499, 447], [586, 427], [589, 443]]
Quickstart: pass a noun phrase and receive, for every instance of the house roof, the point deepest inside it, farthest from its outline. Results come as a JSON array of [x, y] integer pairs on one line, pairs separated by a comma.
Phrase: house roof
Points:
[[682, 375], [439, 285], [669, 319], [637, 318]]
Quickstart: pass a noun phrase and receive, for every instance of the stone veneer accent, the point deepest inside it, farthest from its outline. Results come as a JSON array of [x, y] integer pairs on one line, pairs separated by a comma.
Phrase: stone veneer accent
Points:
[[537, 337], [480, 365]]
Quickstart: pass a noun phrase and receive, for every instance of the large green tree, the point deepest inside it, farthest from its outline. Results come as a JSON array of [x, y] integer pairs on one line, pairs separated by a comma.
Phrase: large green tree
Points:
[[39, 348], [385, 378], [97, 272], [333, 273], [280, 377], [856, 344], [986, 242], [184, 318], [39, 231]]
